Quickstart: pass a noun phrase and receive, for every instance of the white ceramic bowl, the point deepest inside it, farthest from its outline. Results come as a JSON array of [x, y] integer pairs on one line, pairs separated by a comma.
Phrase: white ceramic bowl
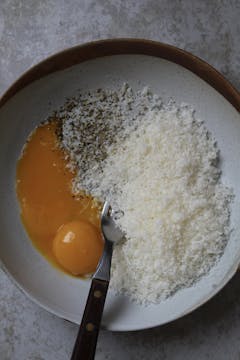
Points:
[[170, 72]]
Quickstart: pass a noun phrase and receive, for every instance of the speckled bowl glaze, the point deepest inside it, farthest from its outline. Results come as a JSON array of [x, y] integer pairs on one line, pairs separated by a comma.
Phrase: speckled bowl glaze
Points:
[[170, 72]]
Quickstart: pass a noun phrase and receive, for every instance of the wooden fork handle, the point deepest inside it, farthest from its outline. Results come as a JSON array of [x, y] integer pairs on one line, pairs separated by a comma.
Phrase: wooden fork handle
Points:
[[85, 345]]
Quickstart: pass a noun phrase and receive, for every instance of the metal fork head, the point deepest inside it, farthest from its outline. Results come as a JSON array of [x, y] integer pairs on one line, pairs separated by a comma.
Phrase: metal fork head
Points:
[[110, 230], [112, 234]]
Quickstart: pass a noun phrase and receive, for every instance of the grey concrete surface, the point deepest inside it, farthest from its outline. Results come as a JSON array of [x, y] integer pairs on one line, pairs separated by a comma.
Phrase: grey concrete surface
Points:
[[30, 30]]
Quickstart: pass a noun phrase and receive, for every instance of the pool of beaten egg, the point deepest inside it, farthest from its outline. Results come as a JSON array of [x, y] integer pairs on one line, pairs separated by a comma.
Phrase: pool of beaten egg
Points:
[[65, 228]]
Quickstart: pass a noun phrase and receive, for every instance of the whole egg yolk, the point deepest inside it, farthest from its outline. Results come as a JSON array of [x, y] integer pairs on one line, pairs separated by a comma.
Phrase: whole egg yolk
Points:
[[49, 210], [77, 247]]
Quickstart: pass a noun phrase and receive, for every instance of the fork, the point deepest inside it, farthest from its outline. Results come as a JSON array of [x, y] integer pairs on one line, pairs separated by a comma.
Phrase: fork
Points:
[[85, 345]]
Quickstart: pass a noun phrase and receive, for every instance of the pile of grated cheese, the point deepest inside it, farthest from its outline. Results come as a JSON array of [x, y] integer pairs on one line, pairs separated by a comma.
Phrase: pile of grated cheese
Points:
[[161, 172]]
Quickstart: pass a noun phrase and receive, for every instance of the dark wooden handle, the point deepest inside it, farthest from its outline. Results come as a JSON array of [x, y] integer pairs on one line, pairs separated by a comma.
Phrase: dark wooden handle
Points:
[[86, 341]]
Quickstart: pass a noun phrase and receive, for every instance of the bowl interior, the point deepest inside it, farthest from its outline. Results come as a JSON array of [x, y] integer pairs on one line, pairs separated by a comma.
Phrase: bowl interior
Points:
[[62, 294]]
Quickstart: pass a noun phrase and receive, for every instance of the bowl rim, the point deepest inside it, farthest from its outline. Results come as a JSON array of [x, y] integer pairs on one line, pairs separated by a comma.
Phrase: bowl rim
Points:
[[120, 46]]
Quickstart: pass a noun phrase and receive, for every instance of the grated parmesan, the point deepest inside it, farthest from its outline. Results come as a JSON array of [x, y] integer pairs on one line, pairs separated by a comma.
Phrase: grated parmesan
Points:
[[159, 169]]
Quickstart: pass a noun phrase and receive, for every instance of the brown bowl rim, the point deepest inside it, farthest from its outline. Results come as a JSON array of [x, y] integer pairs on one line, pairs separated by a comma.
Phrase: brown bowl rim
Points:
[[108, 47]]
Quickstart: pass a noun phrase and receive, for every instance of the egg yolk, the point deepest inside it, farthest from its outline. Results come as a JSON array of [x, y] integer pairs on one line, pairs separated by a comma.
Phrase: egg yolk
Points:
[[77, 247], [49, 210]]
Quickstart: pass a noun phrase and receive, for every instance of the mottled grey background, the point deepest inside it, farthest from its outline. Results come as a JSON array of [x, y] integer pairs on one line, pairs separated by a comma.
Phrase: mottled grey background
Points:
[[30, 30]]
